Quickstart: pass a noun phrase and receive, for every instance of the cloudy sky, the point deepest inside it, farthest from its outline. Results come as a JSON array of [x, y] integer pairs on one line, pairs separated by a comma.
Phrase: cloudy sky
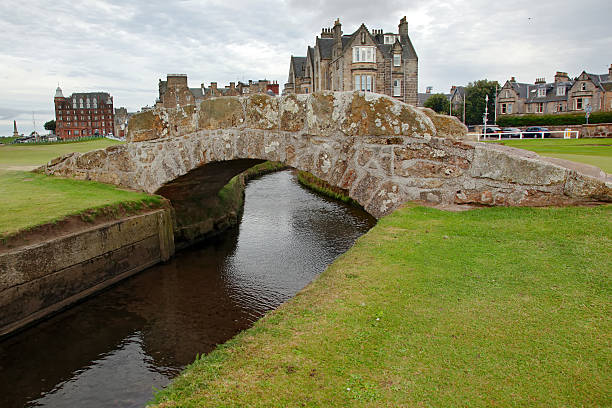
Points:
[[124, 47]]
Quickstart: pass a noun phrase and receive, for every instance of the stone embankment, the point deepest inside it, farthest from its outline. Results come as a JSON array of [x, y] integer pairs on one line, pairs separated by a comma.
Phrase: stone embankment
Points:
[[382, 151], [46, 276]]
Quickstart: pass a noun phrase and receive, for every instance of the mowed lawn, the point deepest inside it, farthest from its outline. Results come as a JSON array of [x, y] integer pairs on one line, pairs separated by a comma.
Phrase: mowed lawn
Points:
[[29, 199], [490, 307], [597, 152], [29, 156]]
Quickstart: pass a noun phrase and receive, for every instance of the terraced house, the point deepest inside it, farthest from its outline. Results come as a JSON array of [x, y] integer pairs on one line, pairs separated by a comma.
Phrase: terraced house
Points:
[[564, 95], [374, 61]]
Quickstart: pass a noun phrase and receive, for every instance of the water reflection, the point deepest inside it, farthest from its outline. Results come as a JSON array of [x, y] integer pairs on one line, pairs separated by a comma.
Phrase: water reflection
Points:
[[112, 349]]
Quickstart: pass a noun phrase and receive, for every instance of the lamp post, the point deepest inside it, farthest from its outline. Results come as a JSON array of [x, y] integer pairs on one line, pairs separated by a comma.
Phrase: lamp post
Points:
[[485, 116]]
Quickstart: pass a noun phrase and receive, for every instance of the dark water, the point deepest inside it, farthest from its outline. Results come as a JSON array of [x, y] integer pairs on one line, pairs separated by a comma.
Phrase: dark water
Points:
[[111, 350]]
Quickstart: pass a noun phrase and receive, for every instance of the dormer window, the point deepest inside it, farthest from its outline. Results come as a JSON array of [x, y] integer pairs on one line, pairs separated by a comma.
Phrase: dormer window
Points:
[[364, 54], [541, 92], [390, 39], [560, 90]]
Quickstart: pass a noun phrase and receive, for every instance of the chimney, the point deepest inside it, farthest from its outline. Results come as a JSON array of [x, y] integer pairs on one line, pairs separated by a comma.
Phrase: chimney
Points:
[[561, 77], [232, 85], [428, 89], [403, 30], [610, 73], [540, 81], [327, 33], [453, 88], [337, 37], [513, 79]]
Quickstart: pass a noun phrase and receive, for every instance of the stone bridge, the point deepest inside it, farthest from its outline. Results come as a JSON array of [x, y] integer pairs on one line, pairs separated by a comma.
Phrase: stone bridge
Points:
[[381, 151]]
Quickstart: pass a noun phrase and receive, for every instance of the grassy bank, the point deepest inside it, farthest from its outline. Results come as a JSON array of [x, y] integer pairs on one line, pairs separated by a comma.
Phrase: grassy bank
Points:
[[491, 307], [597, 152], [322, 187], [29, 199], [26, 157]]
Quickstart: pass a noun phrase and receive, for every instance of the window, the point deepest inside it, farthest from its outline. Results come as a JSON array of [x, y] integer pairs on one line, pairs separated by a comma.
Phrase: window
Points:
[[88, 103], [397, 87], [74, 104], [579, 104], [363, 37], [363, 83], [364, 54], [506, 108], [81, 103], [583, 86], [541, 92], [68, 132], [397, 60], [390, 39], [95, 103], [539, 107], [306, 90], [560, 90]]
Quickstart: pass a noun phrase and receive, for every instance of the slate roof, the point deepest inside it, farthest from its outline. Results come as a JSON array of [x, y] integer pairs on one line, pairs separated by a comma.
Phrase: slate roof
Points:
[[599, 79], [325, 47], [551, 92], [423, 97], [298, 66]]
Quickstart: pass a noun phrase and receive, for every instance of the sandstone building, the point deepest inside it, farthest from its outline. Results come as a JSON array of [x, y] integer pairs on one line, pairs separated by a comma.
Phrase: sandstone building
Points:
[[564, 95], [374, 61], [175, 91], [83, 114]]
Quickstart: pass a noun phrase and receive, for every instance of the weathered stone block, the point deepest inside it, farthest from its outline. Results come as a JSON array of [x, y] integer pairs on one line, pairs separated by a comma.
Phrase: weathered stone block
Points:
[[292, 110], [262, 112], [446, 126], [496, 164], [146, 125], [220, 113]]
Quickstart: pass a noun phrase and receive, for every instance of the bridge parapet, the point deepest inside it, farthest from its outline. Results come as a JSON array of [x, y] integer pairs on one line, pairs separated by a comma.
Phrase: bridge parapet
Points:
[[382, 151]]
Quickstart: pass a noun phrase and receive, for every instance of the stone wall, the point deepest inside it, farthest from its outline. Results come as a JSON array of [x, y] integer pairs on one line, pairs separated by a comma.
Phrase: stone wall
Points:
[[40, 279], [384, 152]]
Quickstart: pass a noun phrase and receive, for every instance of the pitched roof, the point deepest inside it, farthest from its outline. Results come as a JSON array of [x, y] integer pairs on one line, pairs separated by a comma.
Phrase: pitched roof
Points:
[[298, 66], [325, 46]]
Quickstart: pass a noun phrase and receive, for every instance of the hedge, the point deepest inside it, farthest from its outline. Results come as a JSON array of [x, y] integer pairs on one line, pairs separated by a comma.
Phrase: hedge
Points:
[[552, 120]]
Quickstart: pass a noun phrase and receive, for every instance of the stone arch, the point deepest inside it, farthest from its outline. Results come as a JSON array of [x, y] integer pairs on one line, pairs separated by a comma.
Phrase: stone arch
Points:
[[384, 152]]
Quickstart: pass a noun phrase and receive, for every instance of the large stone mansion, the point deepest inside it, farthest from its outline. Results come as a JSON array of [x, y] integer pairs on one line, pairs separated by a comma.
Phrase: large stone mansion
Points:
[[365, 60]]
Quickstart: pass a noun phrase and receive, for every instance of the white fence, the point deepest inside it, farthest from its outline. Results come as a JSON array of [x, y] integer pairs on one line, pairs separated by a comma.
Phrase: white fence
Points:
[[567, 134]]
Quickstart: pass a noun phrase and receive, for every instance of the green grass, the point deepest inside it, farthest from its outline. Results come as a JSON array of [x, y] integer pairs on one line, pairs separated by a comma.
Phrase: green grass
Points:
[[491, 307], [597, 152], [26, 157], [30, 199]]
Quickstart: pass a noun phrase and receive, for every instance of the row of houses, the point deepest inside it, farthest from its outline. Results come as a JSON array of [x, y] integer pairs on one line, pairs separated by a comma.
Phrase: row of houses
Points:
[[374, 61], [560, 96], [175, 91]]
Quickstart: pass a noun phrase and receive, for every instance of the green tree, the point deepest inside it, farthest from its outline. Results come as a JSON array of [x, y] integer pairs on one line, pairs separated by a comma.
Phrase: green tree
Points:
[[438, 102], [50, 125], [475, 101]]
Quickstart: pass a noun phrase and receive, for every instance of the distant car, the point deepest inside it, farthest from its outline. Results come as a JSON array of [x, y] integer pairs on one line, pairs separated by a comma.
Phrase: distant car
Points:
[[492, 129], [511, 132], [536, 131]]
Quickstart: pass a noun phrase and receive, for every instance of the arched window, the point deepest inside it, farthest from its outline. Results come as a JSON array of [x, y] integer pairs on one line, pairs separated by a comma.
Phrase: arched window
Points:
[[74, 103], [81, 103], [95, 103], [88, 105]]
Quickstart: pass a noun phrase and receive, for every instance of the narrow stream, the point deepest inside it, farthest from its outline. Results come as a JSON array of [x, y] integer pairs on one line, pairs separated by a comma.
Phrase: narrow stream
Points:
[[111, 350]]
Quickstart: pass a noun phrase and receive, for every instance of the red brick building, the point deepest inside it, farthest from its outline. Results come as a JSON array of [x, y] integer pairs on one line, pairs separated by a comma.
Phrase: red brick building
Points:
[[83, 114]]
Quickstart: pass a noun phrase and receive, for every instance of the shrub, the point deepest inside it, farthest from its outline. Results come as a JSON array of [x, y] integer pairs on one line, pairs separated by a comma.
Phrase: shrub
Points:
[[554, 120]]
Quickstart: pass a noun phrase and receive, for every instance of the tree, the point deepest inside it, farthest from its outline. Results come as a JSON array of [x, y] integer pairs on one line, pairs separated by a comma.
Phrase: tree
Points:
[[50, 125], [438, 102], [475, 94]]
